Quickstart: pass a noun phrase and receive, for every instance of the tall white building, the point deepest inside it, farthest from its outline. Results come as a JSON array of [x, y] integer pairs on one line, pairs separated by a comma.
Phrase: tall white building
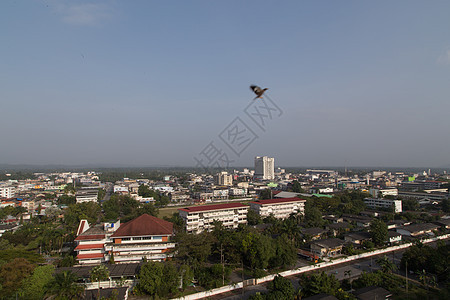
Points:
[[223, 178], [264, 168]]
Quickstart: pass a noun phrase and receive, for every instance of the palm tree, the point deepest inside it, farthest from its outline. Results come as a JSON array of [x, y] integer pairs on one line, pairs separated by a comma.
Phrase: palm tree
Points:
[[99, 273], [386, 265], [64, 286], [348, 273]]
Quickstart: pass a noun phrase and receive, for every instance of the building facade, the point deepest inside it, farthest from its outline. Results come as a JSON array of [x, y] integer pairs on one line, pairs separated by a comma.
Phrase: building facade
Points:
[[144, 237], [279, 208], [223, 178], [264, 168], [199, 218], [377, 203]]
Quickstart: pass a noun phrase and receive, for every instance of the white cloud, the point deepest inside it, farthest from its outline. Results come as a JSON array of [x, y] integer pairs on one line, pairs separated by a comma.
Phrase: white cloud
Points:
[[444, 59], [86, 14]]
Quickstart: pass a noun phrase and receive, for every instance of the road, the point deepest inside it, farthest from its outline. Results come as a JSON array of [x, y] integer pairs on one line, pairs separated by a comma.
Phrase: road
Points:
[[356, 268]]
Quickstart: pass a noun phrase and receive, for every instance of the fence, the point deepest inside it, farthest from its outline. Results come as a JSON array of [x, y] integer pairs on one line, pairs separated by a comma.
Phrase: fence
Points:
[[257, 281]]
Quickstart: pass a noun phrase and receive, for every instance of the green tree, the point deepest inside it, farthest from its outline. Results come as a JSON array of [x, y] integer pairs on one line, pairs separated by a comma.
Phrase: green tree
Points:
[[265, 194], [297, 187], [317, 283], [64, 286], [35, 286], [313, 216], [99, 273], [282, 287], [386, 265], [378, 231], [150, 278], [194, 249], [285, 253], [257, 250], [253, 218], [13, 273]]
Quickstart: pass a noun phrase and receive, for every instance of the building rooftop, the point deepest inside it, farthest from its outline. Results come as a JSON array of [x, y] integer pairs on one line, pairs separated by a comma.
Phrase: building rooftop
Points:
[[278, 201], [372, 292], [420, 227], [144, 225], [213, 207], [329, 243]]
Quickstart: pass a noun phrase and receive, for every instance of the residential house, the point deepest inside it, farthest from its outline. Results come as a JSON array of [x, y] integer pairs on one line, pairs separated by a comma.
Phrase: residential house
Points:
[[358, 238], [327, 247], [415, 230]]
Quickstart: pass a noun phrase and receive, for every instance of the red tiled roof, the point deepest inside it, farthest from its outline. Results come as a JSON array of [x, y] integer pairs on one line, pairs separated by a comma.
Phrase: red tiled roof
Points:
[[81, 227], [213, 207], [89, 246], [275, 201], [90, 237], [144, 225], [89, 255]]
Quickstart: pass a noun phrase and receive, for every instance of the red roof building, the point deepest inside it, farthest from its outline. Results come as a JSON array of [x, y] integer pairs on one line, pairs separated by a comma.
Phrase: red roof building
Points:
[[144, 237], [91, 242], [279, 208], [200, 218]]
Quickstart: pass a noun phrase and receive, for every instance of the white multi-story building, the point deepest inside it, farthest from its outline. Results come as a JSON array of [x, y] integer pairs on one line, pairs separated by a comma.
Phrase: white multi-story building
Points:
[[223, 178], [264, 168], [383, 192], [279, 208], [7, 191], [146, 236], [377, 203], [120, 189], [199, 218]]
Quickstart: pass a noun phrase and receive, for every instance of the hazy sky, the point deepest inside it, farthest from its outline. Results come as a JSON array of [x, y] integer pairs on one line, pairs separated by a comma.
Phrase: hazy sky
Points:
[[359, 83]]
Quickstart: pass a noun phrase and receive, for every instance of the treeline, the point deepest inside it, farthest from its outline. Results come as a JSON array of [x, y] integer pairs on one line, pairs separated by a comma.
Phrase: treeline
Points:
[[211, 257]]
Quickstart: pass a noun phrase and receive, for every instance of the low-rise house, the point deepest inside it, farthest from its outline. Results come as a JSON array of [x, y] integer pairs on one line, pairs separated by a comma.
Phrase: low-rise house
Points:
[[8, 227], [443, 223], [371, 293], [360, 221], [313, 233], [358, 237], [415, 230], [327, 247], [394, 237], [397, 223], [338, 228]]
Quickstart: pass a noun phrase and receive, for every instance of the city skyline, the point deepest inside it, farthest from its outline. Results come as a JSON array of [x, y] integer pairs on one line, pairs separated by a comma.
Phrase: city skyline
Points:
[[151, 84]]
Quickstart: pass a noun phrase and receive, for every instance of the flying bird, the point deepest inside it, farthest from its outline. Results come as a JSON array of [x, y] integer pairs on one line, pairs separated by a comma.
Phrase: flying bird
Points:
[[258, 91]]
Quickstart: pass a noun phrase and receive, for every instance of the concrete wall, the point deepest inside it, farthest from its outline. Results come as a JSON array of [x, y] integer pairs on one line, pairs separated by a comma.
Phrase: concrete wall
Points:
[[305, 269]]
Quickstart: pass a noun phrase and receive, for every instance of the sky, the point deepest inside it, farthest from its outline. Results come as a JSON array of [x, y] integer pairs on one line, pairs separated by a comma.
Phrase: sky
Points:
[[166, 83]]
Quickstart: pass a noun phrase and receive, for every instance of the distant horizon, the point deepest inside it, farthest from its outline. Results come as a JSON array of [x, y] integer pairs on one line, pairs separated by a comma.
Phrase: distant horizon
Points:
[[20, 167], [167, 83]]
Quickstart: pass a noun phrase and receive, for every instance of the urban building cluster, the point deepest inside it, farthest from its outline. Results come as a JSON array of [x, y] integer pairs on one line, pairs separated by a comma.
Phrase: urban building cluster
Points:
[[202, 199]]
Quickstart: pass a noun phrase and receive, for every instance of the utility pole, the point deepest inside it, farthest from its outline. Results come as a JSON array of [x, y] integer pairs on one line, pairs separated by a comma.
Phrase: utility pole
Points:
[[242, 277], [223, 264], [406, 273]]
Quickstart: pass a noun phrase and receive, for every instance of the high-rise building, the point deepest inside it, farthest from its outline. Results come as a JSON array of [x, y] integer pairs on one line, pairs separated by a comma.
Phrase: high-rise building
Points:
[[223, 178], [264, 168]]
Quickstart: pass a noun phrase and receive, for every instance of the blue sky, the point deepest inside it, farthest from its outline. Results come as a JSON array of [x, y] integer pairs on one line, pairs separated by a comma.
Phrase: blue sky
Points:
[[142, 83]]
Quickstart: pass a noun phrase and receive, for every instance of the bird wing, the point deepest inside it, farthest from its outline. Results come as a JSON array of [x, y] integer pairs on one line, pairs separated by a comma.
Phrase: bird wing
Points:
[[256, 89]]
